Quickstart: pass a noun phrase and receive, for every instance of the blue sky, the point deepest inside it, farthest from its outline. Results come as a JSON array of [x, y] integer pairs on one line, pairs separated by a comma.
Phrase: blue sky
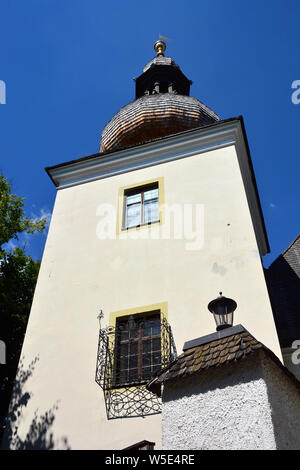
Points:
[[68, 67]]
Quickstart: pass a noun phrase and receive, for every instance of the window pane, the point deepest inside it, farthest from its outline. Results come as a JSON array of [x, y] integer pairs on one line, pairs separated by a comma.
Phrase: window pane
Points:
[[133, 333], [154, 324], [151, 194], [150, 211], [124, 350], [133, 199], [146, 346], [123, 377], [156, 358], [133, 375], [133, 362], [133, 348], [146, 331], [133, 216], [124, 362], [146, 360], [147, 373], [156, 344], [123, 335], [156, 328]]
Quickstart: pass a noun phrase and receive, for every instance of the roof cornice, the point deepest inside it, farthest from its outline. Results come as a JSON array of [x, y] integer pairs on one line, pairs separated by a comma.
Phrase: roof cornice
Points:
[[183, 144]]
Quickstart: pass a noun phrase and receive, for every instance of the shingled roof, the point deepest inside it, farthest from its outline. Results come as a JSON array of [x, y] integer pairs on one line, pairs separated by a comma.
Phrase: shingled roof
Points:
[[212, 351], [153, 116], [162, 106]]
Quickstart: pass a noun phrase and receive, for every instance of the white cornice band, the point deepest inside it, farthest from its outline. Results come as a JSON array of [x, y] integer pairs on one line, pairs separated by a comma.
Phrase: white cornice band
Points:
[[154, 153]]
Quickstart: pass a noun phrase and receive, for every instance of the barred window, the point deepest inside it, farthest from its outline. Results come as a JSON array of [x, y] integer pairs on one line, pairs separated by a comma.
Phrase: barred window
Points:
[[129, 354], [142, 445], [141, 206], [138, 348]]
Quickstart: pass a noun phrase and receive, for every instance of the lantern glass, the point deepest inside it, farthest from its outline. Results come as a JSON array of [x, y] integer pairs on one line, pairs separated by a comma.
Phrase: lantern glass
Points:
[[224, 320]]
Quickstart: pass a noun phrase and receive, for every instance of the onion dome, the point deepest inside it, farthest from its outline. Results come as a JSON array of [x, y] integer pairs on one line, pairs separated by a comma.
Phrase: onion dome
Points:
[[162, 106]]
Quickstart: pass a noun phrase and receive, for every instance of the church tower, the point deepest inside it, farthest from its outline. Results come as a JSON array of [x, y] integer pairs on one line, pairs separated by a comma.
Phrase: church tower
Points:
[[144, 234]]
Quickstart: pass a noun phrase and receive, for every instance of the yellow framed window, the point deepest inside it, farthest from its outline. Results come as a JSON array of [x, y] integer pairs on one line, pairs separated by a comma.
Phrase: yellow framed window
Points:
[[141, 206], [137, 348]]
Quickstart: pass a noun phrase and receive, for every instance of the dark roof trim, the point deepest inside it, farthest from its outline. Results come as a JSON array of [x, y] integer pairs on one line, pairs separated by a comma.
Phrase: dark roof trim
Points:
[[214, 336], [241, 119]]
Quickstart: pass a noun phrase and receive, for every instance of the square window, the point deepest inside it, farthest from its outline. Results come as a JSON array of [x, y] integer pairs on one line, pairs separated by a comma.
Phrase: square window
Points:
[[141, 206]]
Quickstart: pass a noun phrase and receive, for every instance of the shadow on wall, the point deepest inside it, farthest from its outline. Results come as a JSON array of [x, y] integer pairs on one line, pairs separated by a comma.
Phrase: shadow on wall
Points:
[[284, 399], [39, 435], [214, 378]]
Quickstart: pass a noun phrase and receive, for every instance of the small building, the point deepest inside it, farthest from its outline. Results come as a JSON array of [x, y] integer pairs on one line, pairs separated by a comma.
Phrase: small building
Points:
[[227, 391]]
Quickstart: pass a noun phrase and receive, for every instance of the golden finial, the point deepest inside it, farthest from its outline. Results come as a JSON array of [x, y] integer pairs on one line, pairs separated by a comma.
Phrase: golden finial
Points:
[[160, 47]]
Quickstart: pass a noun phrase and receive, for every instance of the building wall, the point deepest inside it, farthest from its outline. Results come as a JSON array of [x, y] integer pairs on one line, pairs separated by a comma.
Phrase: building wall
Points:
[[81, 274], [226, 408], [250, 405], [284, 398]]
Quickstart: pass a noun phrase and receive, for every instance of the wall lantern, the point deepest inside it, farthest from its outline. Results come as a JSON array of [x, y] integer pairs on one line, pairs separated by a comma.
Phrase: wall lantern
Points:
[[222, 309]]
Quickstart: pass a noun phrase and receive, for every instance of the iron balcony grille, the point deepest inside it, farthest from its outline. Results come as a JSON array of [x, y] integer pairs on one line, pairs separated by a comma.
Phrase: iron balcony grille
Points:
[[129, 354]]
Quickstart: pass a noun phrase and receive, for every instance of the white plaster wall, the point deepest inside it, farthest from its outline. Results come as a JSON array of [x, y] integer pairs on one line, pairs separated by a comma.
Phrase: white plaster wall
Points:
[[81, 274], [224, 409], [284, 398]]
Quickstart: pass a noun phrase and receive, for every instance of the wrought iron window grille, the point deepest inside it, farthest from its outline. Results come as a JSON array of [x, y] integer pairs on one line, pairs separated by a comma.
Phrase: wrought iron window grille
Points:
[[129, 354]]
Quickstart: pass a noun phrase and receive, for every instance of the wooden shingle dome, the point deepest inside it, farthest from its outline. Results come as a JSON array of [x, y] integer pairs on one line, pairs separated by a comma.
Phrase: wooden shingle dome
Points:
[[162, 107]]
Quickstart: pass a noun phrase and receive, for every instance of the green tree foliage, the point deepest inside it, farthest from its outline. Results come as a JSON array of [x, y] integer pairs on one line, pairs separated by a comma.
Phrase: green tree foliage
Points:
[[12, 218], [18, 276]]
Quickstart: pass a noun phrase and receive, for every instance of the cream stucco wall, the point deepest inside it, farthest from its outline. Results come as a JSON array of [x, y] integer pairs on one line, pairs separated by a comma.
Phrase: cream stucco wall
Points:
[[81, 274]]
